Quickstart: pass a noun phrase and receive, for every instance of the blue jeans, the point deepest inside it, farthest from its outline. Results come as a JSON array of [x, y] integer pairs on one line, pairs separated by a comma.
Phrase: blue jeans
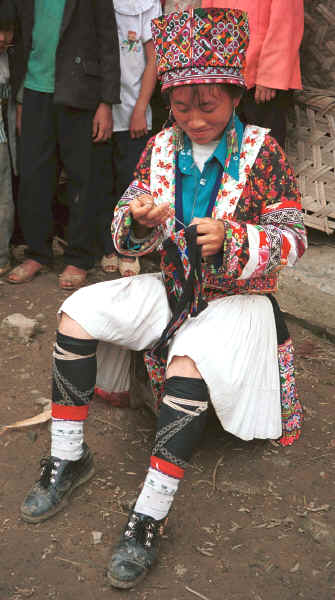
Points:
[[116, 163]]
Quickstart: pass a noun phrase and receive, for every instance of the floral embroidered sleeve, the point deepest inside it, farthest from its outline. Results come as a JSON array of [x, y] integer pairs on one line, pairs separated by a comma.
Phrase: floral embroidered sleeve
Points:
[[278, 237], [122, 226]]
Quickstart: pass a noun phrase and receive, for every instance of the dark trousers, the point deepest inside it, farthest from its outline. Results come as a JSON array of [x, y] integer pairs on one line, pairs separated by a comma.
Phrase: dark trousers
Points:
[[270, 114], [115, 166], [48, 131]]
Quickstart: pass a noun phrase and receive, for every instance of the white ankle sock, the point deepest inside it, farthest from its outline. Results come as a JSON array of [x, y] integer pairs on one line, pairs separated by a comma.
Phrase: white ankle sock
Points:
[[67, 439], [157, 494]]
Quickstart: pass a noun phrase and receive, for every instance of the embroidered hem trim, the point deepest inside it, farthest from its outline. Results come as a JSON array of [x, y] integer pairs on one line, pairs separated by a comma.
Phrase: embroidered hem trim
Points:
[[289, 438], [69, 413], [166, 467]]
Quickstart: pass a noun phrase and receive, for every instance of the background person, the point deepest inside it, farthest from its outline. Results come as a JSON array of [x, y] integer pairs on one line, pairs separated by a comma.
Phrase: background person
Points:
[[7, 133], [273, 62], [69, 62], [132, 120]]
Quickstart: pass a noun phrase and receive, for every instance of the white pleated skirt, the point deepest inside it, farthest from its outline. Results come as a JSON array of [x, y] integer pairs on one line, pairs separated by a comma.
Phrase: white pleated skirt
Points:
[[233, 343]]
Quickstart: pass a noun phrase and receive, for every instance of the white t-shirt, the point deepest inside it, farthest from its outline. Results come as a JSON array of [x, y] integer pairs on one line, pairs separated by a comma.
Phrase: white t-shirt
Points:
[[133, 18], [202, 152]]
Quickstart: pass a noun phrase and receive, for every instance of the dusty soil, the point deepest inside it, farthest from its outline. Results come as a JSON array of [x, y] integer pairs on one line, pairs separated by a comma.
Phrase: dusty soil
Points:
[[252, 521]]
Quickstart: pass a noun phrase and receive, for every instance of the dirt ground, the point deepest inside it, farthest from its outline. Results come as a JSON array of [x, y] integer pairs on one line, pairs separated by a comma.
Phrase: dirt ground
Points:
[[252, 521]]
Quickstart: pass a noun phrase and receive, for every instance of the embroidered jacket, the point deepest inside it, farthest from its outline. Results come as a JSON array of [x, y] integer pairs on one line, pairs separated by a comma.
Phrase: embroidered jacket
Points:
[[264, 228]]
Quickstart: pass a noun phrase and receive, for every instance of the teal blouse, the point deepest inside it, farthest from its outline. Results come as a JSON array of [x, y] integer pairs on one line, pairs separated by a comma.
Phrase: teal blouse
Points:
[[197, 187], [195, 192]]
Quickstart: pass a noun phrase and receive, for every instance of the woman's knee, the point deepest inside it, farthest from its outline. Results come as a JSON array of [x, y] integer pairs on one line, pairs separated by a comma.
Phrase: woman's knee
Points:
[[182, 366], [70, 327]]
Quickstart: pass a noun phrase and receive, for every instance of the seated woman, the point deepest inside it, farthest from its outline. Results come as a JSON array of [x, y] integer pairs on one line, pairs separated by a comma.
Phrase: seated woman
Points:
[[221, 203]]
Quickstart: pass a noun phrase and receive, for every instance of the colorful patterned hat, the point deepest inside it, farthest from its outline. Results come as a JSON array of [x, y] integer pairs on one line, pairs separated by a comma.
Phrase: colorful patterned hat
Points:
[[201, 46]]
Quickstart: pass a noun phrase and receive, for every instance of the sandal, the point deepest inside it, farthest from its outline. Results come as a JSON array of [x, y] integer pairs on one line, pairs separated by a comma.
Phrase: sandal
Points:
[[129, 267], [110, 263], [4, 269], [72, 278], [25, 272]]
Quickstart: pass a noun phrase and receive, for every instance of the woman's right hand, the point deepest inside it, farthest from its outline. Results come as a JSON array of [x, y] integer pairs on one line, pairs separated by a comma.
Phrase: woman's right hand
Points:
[[147, 213]]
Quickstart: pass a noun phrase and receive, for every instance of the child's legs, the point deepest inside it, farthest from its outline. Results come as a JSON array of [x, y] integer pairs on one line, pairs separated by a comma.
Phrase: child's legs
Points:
[[104, 174], [37, 173], [74, 134], [6, 204], [125, 153]]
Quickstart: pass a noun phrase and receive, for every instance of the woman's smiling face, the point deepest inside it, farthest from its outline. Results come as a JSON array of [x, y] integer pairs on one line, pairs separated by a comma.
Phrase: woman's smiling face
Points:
[[203, 112]]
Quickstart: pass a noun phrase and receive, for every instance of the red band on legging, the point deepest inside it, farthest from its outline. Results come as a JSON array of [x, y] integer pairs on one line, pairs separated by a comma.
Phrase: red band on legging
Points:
[[69, 413], [166, 467]]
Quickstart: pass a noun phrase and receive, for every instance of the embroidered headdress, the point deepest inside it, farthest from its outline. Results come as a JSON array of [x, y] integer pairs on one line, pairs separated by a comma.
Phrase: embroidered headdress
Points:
[[201, 46]]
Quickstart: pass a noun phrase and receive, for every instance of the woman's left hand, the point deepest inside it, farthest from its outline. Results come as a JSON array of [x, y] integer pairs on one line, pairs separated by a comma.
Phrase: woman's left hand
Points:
[[211, 234]]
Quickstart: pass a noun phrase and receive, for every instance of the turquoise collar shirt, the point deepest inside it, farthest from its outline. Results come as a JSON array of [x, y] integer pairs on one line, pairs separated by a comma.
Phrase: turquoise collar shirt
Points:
[[196, 187]]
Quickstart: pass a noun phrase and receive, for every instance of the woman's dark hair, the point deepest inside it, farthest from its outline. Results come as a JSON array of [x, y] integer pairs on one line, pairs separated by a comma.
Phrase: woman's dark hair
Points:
[[7, 15], [234, 91]]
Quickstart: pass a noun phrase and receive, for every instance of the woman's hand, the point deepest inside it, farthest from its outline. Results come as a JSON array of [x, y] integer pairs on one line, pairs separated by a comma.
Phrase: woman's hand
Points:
[[211, 234], [146, 213]]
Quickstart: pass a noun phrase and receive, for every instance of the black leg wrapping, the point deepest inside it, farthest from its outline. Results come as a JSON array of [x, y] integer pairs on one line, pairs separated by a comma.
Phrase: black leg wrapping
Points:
[[181, 424], [74, 370]]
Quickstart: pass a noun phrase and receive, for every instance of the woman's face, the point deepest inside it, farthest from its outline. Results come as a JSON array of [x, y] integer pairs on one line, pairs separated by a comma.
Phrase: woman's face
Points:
[[203, 113], [6, 38]]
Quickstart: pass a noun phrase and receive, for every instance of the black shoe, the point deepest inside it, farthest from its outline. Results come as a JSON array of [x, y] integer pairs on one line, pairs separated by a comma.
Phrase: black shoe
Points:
[[136, 552], [58, 480]]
